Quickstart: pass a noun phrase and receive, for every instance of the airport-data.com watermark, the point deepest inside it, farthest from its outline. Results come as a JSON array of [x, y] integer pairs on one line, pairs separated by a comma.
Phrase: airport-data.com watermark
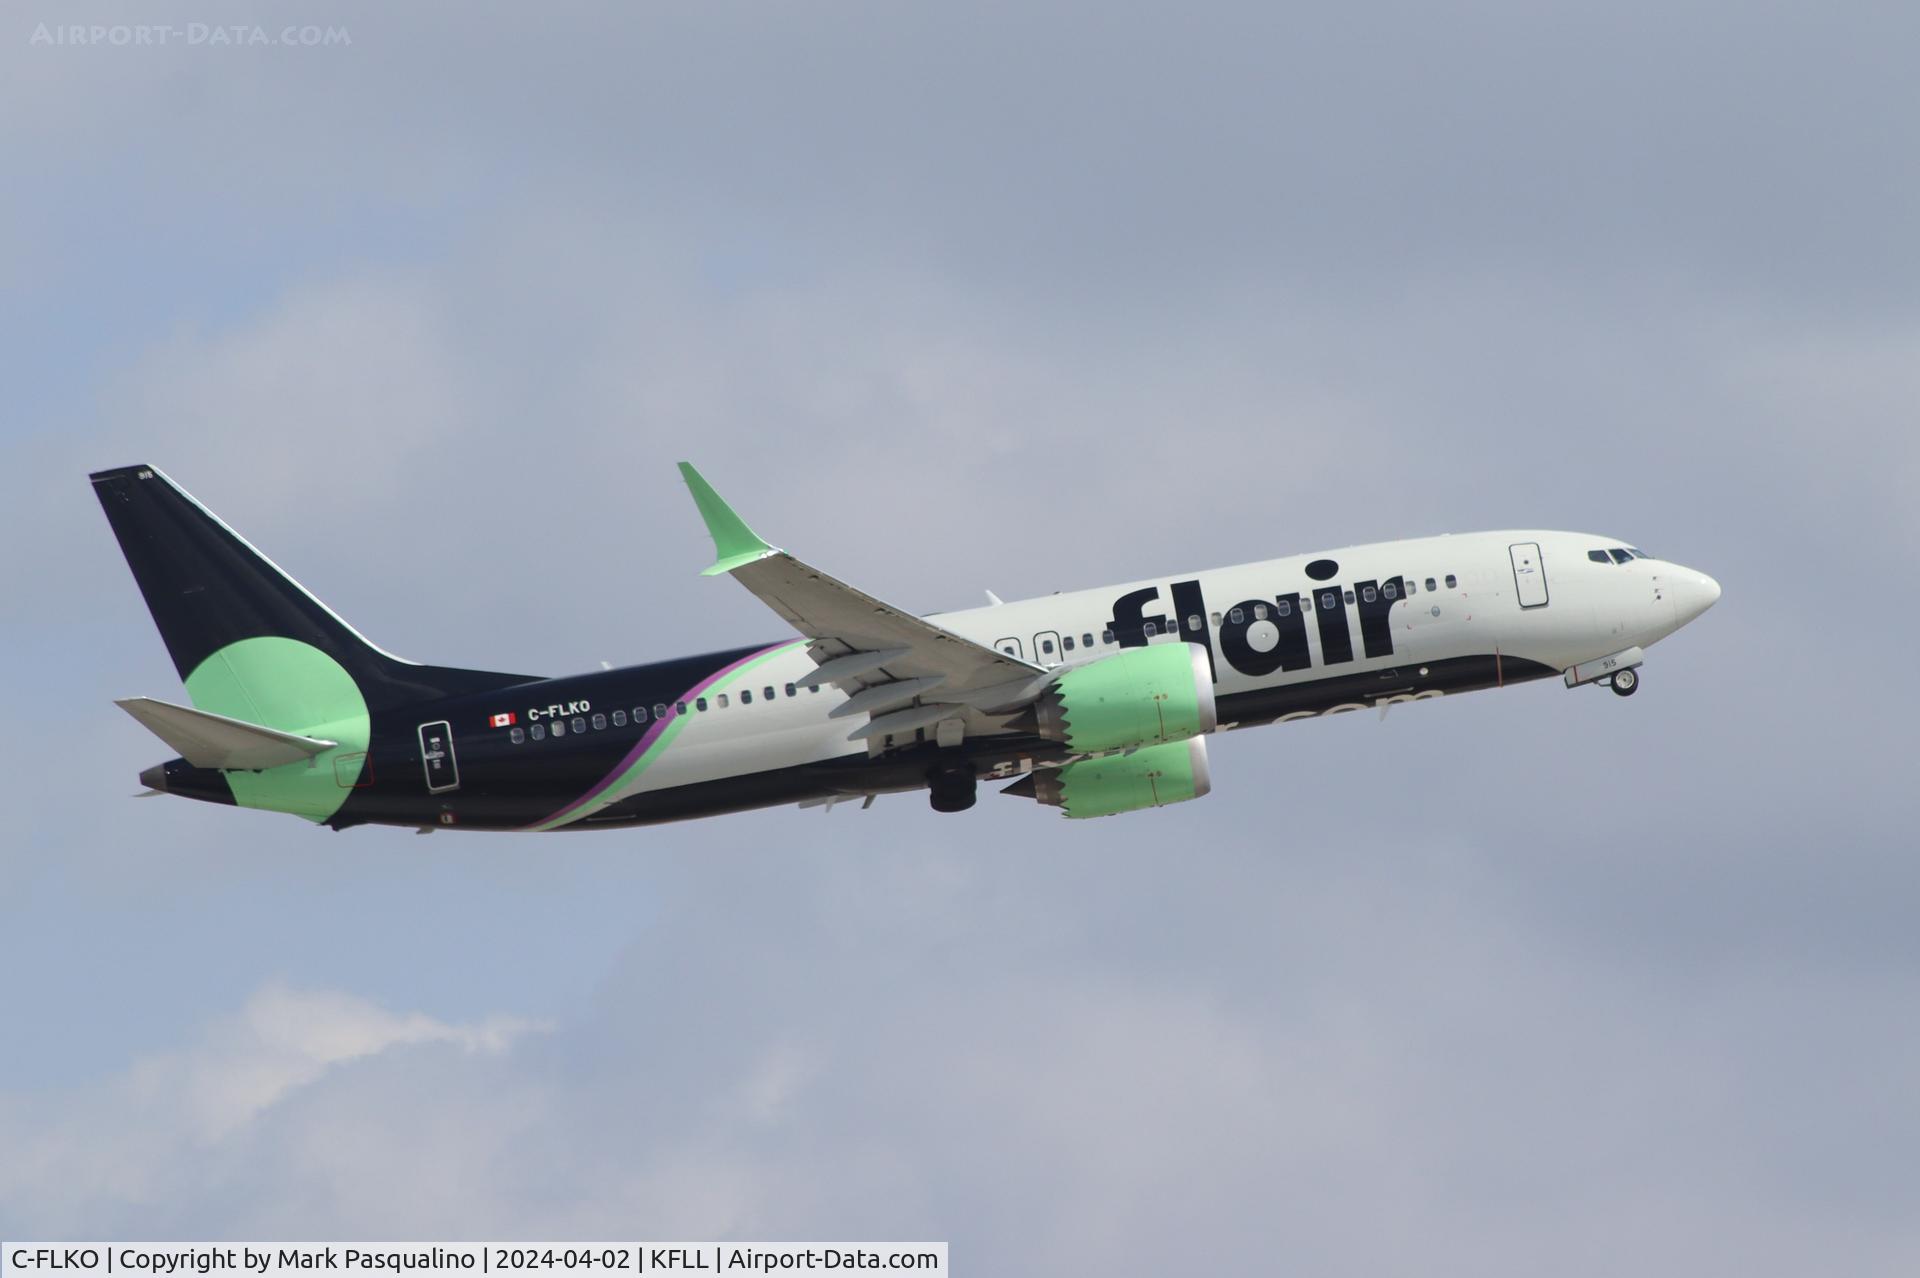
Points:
[[194, 35]]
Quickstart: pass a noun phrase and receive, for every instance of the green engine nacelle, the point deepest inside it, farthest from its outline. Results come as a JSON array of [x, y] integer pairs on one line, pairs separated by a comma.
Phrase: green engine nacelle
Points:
[[1151, 777], [1136, 697]]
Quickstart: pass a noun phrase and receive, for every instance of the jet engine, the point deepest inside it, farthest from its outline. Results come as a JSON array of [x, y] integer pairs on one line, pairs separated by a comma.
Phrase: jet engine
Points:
[[1151, 777], [1135, 697]]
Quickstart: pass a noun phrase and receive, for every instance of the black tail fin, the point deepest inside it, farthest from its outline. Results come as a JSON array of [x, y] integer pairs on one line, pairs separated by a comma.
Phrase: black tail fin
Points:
[[208, 589]]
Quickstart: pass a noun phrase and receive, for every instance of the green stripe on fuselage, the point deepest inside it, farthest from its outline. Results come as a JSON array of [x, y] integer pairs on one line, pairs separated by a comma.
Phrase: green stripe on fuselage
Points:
[[622, 784]]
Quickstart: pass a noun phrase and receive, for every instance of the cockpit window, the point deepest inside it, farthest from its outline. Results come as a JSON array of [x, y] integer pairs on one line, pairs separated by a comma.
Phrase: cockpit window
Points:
[[1638, 554], [1619, 556], [1598, 556]]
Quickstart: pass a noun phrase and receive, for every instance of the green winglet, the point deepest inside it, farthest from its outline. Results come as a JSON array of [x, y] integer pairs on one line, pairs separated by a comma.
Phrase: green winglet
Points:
[[734, 544]]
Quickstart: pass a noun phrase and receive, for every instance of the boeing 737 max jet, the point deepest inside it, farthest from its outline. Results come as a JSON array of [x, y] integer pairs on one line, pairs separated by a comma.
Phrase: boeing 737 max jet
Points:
[[1094, 701]]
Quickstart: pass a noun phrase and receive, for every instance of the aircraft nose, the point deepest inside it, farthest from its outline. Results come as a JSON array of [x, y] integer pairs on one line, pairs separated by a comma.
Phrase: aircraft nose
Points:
[[1693, 593]]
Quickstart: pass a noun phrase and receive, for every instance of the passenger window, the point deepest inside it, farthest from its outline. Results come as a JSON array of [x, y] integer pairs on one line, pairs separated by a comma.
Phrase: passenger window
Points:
[[1216, 620], [699, 703], [746, 697], [1328, 600], [1391, 590], [559, 727], [579, 723], [599, 723], [1620, 556], [1453, 583], [1086, 641], [619, 718], [1238, 616], [1066, 644], [660, 710], [1193, 622], [766, 693], [1368, 593], [1106, 636], [1431, 587], [518, 735], [680, 707], [1046, 646], [1349, 596], [1599, 557], [1153, 629], [789, 690], [538, 731], [1286, 607], [813, 687], [639, 714], [1259, 612]]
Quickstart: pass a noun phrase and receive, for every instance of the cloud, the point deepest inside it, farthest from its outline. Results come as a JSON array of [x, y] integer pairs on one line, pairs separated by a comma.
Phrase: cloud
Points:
[[1361, 1063], [1842, 399], [343, 372], [120, 1144], [1030, 298], [286, 1039]]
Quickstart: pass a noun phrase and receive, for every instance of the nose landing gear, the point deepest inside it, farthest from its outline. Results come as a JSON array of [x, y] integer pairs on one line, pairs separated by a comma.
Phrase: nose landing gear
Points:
[[1616, 670]]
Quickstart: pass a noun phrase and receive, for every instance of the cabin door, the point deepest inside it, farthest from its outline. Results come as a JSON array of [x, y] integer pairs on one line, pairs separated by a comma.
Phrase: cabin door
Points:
[[1529, 574], [436, 755]]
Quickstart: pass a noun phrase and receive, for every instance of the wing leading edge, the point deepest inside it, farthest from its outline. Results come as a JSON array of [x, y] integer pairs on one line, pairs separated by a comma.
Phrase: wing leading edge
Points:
[[902, 672]]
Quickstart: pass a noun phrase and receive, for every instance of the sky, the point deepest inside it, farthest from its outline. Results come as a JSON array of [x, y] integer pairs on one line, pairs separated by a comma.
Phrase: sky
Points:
[[946, 299]]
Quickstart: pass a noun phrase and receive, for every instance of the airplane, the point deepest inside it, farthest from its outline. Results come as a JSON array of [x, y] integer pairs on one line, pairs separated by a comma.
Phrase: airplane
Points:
[[1096, 702]]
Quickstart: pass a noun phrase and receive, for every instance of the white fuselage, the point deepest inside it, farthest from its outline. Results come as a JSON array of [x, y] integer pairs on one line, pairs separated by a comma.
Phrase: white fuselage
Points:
[[1097, 701], [1466, 602]]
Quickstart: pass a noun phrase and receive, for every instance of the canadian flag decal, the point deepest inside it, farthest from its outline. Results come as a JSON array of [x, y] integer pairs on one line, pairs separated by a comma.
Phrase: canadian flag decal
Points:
[[502, 720]]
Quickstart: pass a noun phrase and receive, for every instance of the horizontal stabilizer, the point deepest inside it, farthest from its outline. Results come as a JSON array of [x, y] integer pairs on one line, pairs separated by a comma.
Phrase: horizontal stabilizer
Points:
[[215, 741]]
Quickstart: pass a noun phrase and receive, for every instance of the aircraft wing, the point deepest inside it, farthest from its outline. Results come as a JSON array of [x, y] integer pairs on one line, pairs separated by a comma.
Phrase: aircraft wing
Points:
[[901, 671]]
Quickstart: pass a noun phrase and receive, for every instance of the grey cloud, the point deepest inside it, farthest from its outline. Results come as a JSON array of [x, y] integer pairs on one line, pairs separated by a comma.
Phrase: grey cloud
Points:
[[885, 1042], [1099, 150], [1029, 299]]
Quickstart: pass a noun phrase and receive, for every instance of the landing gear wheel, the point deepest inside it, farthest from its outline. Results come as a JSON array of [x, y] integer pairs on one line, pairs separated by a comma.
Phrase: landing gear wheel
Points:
[[953, 787], [1626, 683]]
